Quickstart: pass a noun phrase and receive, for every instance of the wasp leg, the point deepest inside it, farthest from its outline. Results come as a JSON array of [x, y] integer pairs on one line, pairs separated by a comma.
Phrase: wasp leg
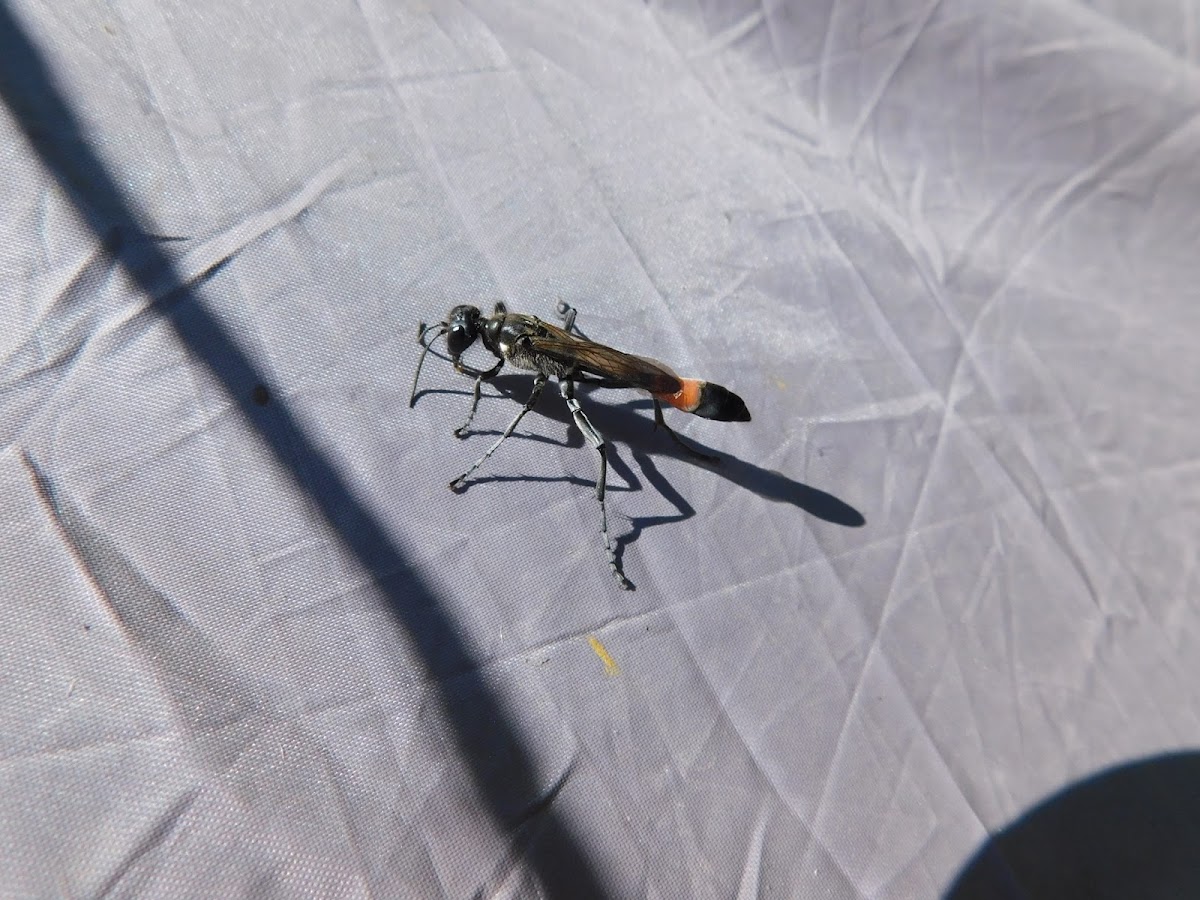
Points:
[[539, 382], [480, 377], [567, 313], [660, 422], [462, 369], [567, 389], [461, 430]]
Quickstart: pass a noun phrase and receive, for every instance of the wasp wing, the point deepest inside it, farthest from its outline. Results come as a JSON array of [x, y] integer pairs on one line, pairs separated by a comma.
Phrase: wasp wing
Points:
[[614, 366]]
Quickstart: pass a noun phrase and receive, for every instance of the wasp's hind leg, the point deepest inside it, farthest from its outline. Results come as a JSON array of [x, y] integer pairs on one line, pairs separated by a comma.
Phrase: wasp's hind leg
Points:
[[567, 389], [660, 422]]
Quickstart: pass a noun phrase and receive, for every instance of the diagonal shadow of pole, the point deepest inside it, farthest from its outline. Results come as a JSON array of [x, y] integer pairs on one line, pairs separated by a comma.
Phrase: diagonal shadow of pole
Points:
[[500, 766]]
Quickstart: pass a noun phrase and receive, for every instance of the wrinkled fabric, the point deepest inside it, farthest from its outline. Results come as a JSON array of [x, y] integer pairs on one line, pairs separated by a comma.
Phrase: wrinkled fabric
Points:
[[253, 646]]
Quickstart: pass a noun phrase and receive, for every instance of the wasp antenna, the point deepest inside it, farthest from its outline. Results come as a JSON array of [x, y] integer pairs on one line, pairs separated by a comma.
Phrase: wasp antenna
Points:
[[425, 345]]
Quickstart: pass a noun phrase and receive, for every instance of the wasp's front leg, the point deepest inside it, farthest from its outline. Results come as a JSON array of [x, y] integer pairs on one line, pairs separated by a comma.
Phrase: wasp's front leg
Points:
[[480, 377], [539, 382]]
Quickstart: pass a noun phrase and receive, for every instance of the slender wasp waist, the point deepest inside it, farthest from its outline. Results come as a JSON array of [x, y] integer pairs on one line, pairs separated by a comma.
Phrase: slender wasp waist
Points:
[[550, 351]]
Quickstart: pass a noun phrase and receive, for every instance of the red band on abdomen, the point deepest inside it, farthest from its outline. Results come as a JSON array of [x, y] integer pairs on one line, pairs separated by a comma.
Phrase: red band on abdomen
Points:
[[687, 397]]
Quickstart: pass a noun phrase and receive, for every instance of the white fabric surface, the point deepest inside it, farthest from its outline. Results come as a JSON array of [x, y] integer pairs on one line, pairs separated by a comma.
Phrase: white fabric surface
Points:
[[947, 252]]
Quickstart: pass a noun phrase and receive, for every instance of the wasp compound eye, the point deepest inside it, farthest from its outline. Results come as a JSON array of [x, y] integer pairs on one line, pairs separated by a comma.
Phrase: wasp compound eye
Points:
[[566, 354], [458, 338]]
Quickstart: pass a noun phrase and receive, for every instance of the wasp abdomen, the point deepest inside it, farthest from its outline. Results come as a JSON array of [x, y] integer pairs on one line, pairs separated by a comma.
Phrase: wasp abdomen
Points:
[[722, 404], [707, 400]]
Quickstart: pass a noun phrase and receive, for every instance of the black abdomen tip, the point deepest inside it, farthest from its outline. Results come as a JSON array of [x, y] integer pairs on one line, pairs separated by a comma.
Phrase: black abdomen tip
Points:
[[721, 404]]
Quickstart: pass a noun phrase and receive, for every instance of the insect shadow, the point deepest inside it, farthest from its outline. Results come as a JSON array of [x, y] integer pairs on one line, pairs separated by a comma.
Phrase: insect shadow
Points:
[[627, 424]]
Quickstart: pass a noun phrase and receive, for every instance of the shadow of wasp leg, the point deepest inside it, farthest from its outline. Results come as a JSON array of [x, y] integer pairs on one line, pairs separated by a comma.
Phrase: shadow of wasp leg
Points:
[[660, 422], [539, 382], [567, 389]]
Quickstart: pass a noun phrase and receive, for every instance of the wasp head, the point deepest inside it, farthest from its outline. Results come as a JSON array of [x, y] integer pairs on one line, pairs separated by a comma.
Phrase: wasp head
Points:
[[462, 328]]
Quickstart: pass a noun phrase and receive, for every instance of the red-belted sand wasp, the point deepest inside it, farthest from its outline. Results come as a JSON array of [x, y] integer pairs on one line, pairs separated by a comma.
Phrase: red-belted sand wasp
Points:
[[552, 352]]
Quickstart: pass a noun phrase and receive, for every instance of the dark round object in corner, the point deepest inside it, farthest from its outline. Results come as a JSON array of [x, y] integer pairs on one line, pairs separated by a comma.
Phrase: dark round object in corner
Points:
[[1132, 831]]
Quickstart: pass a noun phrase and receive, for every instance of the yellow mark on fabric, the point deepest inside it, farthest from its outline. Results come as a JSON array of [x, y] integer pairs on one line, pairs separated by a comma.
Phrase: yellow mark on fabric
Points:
[[610, 666]]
